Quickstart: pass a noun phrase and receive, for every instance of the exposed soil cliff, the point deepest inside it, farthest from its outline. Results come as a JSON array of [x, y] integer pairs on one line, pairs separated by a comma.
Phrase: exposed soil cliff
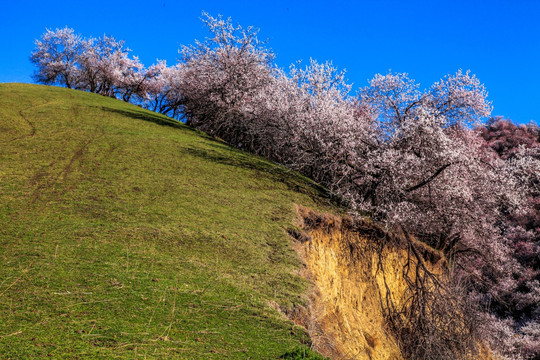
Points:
[[355, 272]]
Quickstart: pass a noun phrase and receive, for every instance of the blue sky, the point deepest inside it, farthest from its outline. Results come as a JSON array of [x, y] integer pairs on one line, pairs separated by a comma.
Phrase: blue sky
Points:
[[497, 40]]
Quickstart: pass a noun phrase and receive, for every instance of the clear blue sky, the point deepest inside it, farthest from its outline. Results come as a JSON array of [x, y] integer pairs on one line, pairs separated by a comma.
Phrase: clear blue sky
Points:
[[498, 40]]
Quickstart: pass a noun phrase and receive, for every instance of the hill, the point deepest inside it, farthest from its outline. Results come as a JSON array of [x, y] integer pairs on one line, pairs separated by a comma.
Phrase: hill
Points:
[[125, 234]]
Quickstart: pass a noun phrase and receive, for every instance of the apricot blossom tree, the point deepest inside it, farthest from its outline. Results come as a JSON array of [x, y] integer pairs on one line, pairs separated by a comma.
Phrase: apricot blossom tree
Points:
[[221, 74], [56, 56]]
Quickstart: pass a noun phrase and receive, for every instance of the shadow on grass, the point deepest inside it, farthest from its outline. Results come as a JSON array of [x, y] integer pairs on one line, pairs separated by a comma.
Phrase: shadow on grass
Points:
[[157, 118], [144, 115], [223, 154]]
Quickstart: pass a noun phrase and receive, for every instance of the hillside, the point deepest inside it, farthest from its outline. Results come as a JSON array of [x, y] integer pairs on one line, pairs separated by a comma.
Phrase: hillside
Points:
[[125, 234]]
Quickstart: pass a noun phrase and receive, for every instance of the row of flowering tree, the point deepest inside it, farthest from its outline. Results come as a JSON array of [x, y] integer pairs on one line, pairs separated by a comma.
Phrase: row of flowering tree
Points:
[[104, 66], [409, 158]]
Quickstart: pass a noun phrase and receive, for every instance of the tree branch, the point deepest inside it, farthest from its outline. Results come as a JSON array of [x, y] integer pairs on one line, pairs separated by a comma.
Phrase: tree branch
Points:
[[429, 179]]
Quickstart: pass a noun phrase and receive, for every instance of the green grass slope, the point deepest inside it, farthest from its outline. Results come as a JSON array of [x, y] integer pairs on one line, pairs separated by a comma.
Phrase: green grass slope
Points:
[[124, 234]]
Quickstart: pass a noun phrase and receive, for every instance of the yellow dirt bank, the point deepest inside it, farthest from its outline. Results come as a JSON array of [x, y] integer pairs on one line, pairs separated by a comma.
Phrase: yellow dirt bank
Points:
[[345, 317]]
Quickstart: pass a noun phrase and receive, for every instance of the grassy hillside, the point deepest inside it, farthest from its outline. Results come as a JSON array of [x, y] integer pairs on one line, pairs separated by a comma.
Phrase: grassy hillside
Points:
[[124, 234]]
